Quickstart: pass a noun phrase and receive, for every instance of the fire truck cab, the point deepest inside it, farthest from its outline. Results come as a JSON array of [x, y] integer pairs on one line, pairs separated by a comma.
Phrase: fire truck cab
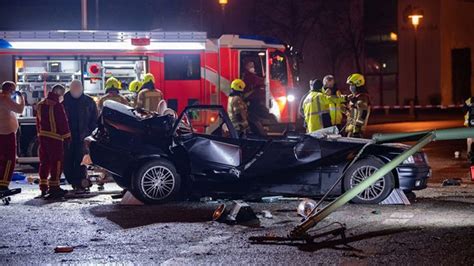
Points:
[[189, 68]]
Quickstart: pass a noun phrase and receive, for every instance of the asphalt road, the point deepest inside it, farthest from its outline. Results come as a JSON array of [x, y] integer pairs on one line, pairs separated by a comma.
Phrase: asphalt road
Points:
[[436, 229]]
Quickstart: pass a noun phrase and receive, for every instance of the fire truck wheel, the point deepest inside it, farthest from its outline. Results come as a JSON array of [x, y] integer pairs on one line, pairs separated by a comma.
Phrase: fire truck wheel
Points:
[[156, 181], [360, 171]]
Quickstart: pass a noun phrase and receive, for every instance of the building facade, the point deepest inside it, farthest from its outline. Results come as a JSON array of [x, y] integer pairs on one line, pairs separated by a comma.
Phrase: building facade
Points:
[[444, 47]]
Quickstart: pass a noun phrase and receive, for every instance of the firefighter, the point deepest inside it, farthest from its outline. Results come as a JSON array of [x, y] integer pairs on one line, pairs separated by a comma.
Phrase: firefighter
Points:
[[134, 87], [359, 106], [468, 109], [8, 128], [237, 108], [337, 101], [254, 95], [255, 85], [316, 107], [149, 97], [112, 88], [53, 130]]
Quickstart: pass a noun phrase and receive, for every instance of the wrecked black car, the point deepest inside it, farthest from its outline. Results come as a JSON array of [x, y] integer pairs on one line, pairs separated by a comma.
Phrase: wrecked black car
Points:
[[163, 157]]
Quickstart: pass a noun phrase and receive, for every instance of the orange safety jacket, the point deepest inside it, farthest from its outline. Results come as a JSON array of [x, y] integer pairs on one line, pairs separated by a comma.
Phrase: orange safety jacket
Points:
[[51, 120]]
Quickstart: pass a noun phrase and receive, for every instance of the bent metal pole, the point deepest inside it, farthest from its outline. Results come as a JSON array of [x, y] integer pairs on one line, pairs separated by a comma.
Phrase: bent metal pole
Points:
[[303, 227], [426, 137]]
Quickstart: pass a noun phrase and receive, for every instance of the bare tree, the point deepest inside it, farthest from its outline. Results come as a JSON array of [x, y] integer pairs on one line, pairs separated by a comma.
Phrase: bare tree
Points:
[[290, 20], [341, 32]]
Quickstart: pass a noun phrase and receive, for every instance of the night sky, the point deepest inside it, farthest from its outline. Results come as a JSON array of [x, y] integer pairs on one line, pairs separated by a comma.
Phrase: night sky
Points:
[[240, 17], [180, 15]]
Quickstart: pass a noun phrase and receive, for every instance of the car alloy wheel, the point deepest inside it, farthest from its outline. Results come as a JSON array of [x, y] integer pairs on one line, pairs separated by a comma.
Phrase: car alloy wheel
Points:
[[372, 192], [158, 182]]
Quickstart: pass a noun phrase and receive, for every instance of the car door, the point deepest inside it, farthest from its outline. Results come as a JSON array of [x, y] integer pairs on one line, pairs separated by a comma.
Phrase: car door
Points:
[[210, 142]]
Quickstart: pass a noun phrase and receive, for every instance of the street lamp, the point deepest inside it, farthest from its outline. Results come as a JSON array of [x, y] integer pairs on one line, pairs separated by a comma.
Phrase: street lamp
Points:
[[415, 18], [223, 3]]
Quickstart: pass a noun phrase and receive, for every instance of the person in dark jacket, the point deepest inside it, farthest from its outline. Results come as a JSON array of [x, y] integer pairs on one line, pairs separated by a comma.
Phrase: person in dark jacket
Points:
[[82, 115]]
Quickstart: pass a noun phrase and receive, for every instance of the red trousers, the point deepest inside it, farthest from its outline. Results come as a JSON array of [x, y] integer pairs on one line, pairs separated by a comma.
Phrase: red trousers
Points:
[[7, 158], [51, 154]]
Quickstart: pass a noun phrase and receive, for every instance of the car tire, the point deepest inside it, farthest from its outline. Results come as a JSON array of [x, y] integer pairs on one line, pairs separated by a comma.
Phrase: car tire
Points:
[[361, 170], [156, 181]]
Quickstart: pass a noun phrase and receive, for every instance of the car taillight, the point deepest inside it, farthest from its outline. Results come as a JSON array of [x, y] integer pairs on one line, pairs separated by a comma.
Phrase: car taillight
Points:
[[417, 158]]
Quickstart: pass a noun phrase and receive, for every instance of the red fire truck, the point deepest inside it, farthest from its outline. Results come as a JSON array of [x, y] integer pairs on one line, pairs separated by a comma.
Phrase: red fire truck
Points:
[[188, 67]]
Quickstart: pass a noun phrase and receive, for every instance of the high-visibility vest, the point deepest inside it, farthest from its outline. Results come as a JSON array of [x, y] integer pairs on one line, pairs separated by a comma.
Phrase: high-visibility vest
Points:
[[335, 109], [316, 111], [469, 116]]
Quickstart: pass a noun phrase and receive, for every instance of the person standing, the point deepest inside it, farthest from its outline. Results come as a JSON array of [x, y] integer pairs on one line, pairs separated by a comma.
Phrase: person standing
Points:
[[468, 109], [53, 130], [134, 87], [149, 97], [316, 107], [81, 112], [336, 106], [112, 92], [255, 96], [8, 128], [359, 106], [237, 108]]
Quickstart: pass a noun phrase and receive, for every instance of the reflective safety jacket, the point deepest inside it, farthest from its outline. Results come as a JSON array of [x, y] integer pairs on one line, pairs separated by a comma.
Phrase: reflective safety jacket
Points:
[[359, 112], [468, 109], [51, 120], [113, 97], [237, 109], [148, 99], [336, 108], [316, 111]]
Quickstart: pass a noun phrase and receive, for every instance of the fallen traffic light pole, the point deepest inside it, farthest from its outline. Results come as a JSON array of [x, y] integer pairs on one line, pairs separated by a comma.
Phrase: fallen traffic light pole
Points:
[[423, 138]]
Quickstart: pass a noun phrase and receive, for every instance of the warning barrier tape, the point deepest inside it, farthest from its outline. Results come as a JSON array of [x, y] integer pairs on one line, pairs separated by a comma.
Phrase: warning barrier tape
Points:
[[417, 106]]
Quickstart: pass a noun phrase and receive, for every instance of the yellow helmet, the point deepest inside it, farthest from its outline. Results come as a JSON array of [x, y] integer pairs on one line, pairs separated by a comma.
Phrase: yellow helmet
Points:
[[113, 83], [238, 85], [356, 79], [135, 86], [148, 77]]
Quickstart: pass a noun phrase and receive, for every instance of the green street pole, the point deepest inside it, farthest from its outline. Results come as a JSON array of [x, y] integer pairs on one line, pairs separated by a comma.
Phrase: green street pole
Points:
[[426, 137], [442, 134], [302, 228]]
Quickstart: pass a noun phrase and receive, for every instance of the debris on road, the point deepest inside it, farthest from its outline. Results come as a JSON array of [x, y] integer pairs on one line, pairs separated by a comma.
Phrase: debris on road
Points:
[[273, 199], [377, 212], [318, 236], [267, 214], [452, 182], [63, 249], [242, 213], [457, 154], [218, 213], [239, 213], [306, 207]]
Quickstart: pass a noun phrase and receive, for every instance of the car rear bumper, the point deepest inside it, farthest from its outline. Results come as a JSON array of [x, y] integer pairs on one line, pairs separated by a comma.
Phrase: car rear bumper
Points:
[[413, 177]]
